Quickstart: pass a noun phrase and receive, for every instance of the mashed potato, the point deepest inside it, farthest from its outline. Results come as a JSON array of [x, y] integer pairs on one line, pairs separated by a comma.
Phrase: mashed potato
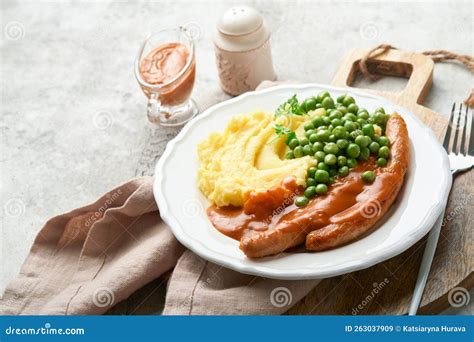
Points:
[[247, 156]]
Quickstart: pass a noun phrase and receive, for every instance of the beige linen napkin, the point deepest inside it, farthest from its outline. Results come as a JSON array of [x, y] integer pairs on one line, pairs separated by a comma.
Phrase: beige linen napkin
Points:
[[91, 258]]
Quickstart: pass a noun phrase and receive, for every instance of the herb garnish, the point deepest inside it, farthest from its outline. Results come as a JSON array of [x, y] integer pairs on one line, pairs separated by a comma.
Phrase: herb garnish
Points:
[[282, 130], [291, 106]]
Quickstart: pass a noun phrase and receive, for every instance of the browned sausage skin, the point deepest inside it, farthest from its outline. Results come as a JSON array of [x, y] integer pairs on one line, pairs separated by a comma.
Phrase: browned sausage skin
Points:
[[378, 198]]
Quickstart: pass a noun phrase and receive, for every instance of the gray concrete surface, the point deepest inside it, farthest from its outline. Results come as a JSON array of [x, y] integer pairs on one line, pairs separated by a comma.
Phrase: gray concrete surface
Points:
[[73, 121]]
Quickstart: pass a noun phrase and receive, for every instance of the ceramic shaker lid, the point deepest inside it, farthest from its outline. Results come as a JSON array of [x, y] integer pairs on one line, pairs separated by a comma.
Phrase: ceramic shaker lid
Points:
[[241, 28]]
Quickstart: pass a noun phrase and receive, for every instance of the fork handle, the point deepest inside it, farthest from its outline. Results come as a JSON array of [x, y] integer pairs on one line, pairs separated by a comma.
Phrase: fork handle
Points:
[[425, 266]]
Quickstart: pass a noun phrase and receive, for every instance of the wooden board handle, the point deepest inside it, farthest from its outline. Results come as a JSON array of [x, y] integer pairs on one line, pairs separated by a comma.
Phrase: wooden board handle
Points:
[[417, 67]]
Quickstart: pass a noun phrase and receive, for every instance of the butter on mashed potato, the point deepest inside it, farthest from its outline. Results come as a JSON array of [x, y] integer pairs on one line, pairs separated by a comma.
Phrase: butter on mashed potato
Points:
[[247, 156]]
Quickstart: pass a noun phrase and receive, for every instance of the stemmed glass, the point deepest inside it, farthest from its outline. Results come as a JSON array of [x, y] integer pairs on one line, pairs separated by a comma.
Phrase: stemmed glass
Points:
[[169, 100]]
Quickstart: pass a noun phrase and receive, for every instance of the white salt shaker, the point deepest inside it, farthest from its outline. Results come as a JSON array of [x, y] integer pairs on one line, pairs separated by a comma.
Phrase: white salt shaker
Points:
[[243, 54]]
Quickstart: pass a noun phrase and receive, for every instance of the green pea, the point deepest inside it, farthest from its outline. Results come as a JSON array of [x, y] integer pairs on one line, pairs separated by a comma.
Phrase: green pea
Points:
[[369, 130], [340, 98], [350, 116], [310, 104], [350, 126], [319, 105], [364, 153], [330, 127], [362, 141], [332, 172], [321, 189], [383, 141], [323, 166], [323, 95], [311, 182], [384, 152], [303, 107], [353, 150], [332, 138], [301, 201], [328, 102], [356, 133], [298, 152], [321, 176], [289, 155], [361, 122], [380, 109], [323, 135], [318, 146], [335, 114], [304, 141], [318, 121], [331, 148], [351, 162], [309, 132], [363, 115], [307, 150], [293, 143], [374, 147], [331, 180], [336, 122], [341, 160], [318, 155], [310, 192], [313, 138], [339, 132], [368, 176], [342, 143], [330, 159], [353, 108], [348, 100], [343, 171], [381, 162], [326, 120], [362, 110], [312, 171], [308, 126], [379, 118], [342, 109]]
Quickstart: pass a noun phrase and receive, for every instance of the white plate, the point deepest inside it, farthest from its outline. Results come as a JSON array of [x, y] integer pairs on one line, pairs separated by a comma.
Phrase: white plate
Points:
[[182, 205]]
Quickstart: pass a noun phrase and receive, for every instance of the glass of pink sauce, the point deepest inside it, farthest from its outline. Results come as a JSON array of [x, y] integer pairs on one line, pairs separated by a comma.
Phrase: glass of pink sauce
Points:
[[165, 69]]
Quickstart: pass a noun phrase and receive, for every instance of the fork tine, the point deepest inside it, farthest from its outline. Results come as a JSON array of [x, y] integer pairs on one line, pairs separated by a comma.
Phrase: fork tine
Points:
[[464, 133], [455, 147], [447, 135]]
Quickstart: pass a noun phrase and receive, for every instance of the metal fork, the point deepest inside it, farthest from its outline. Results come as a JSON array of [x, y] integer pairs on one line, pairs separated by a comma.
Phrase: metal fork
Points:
[[461, 158]]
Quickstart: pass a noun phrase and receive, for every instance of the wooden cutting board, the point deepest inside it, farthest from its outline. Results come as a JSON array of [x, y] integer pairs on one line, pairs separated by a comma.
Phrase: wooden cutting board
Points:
[[386, 288]]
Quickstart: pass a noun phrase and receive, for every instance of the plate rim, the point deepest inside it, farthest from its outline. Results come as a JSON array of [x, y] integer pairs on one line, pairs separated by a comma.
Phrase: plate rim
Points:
[[263, 271]]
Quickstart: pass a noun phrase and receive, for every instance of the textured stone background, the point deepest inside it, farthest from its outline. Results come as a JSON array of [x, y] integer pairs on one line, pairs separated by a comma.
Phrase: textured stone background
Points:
[[73, 121]]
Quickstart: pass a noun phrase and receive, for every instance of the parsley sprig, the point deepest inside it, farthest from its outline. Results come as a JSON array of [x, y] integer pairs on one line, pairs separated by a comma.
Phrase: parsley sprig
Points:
[[281, 130], [291, 106]]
